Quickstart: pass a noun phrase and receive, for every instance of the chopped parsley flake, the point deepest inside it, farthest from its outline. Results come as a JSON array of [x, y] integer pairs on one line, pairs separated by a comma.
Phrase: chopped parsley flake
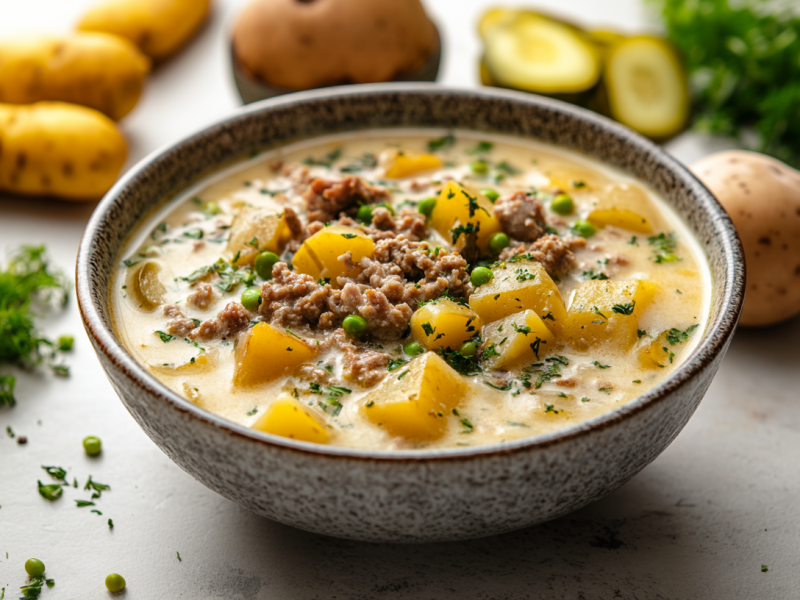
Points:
[[624, 309], [598, 365], [395, 363], [165, 337], [663, 247]]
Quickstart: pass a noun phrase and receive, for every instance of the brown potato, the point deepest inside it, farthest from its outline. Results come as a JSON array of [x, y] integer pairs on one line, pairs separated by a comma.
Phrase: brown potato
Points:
[[101, 71], [159, 27], [301, 45], [58, 149], [762, 197]]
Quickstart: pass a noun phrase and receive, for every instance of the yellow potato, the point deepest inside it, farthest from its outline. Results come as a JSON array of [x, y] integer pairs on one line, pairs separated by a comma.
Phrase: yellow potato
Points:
[[762, 197], [416, 401], [158, 27], [266, 353], [444, 324], [287, 417], [58, 149], [97, 70]]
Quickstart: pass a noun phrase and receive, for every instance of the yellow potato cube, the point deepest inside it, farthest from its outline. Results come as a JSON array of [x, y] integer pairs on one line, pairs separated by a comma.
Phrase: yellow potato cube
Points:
[[571, 179], [287, 417], [414, 403], [319, 254], [519, 285], [459, 206], [519, 337], [405, 164], [606, 312], [254, 230], [626, 206], [444, 324], [267, 353], [196, 364]]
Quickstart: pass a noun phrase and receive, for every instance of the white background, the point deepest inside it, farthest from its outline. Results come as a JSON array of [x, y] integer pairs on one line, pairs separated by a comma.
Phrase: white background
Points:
[[698, 523]]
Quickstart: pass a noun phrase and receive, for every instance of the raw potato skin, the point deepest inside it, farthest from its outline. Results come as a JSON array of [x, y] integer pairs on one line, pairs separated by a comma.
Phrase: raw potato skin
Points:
[[158, 27], [97, 70], [762, 197], [59, 149], [302, 45]]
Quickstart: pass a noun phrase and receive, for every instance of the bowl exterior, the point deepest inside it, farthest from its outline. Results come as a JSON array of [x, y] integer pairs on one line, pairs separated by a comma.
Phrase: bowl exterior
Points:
[[404, 497]]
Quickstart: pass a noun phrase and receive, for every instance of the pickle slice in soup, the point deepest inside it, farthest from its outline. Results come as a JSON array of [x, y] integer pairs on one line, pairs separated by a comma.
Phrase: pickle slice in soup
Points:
[[646, 87], [145, 287], [537, 54]]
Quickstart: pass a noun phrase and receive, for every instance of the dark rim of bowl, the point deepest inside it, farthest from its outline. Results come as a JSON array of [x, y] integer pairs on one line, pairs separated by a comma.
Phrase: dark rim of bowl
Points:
[[715, 337]]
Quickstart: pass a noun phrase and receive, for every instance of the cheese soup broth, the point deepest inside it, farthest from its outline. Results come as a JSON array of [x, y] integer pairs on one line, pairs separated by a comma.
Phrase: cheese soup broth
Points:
[[598, 291]]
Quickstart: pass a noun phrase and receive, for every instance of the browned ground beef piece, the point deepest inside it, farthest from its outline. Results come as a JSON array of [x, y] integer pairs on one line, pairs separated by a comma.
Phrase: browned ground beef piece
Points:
[[408, 223], [295, 225], [180, 325], [361, 365], [326, 199], [552, 251], [521, 216], [232, 319], [202, 296], [400, 274]]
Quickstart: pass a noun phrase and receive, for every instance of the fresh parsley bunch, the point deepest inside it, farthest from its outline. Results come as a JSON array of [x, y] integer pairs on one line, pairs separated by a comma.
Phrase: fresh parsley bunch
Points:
[[744, 66]]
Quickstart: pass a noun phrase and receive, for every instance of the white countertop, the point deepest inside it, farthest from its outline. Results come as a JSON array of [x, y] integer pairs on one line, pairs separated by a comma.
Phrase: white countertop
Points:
[[700, 522]]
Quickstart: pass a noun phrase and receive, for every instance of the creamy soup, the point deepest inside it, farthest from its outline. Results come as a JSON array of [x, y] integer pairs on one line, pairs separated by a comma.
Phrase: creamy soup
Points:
[[408, 289]]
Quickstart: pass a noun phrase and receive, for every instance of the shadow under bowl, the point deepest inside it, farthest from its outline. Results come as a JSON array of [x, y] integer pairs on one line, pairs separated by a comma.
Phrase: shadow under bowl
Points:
[[409, 496]]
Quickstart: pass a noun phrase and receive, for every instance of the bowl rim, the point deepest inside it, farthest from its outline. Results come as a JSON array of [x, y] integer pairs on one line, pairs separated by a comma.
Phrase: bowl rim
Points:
[[714, 341]]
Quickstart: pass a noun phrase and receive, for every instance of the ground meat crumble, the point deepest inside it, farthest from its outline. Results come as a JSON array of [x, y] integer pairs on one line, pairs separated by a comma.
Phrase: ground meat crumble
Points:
[[554, 252], [326, 199], [521, 216]]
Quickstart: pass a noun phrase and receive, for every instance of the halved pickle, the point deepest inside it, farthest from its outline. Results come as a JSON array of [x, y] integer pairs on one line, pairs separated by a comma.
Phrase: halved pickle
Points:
[[646, 87], [537, 54], [145, 287], [493, 17]]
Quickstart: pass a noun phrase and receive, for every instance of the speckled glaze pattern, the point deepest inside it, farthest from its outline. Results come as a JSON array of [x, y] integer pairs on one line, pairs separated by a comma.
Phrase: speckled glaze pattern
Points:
[[409, 496]]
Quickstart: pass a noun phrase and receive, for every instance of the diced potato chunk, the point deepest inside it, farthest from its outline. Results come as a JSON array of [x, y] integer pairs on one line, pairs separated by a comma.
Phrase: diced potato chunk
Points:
[[197, 364], [319, 254], [415, 402], [606, 312], [287, 417], [254, 230], [144, 285], [267, 353], [626, 206], [405, 164], [460, 206], [517, 286], [444, 324], [519, 337], [570, 178]]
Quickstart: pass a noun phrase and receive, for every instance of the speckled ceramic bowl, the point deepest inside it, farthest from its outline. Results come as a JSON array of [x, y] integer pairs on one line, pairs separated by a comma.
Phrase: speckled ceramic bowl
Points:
[[424, 495]]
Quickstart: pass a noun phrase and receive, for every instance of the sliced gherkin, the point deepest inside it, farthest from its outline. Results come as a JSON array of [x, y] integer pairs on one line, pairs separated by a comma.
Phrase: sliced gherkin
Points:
[[646, 86], [535, 53]]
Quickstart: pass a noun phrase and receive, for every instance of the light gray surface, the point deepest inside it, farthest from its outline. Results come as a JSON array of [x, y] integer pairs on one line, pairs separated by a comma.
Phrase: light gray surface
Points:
[[698, 523]]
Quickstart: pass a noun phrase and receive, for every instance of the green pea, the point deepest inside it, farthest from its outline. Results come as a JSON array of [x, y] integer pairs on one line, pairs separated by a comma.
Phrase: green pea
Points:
[[468, 349], [426, 206], [92, 445], [498, 241], [115, 582], [481, 276], [563, 204], [491, 194], [212, 208], [584, 228], [365, 213], [34, 567], [354, 325], [264, 263], [65, 343], [413, 349], [251, 298], [479, 167]]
